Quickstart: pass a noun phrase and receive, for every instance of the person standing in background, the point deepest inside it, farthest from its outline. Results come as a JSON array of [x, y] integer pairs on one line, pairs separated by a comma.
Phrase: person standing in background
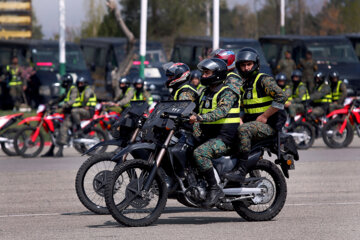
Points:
[[309, 67], [287, 66]]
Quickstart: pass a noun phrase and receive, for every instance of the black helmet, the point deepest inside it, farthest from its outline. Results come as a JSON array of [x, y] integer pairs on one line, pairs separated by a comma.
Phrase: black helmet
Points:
[[333, 74], [139, 81], [248, 54], [81, 79], [124, 80], [217, 66], [66, 80], [320, 76], [195, 74], [280, 77], [177, 73], [296, 73]]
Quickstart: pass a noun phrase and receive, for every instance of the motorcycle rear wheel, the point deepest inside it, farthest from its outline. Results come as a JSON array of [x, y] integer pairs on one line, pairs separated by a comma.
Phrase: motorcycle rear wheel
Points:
[[333, 138], [9, 148], [23, 144], [251, 211], [127, 202], [309, 132], [95, 133]]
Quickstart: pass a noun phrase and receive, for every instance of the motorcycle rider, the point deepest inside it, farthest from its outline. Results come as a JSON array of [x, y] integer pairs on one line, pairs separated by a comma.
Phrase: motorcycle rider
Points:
[[66, 83], [140, 93], [321, 97], [263, 102], [71, 97], [233, 80], [338, 91], [195, 76], [281, 82], [219, 117], [178, 75], [126, 93], [299, 95]]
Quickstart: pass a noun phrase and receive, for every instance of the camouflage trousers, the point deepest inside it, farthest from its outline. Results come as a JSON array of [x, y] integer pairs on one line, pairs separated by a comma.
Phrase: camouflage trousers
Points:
[[334, 106], [212, 149], [79, 114], [296, 108], [16, 95], [63, 132], [251, 132], [317, 112]]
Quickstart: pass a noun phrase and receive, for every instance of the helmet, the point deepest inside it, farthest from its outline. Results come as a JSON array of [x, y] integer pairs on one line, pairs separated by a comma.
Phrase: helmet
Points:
[[248, 54], [139, 81], [195, 74], [333, 74], [280, 77], [79, 80], [66, 80], [124, 80], [320, 76], [227, 55], [217, 66], [296, 73], [177, 73]]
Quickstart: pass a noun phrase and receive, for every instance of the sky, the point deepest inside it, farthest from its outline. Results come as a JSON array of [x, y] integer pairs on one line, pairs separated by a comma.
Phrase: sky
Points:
[[47, 12]]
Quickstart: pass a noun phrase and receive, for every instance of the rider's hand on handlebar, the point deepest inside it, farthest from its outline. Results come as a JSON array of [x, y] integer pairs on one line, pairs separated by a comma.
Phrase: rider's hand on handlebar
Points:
[[194, 118], [261, 118]]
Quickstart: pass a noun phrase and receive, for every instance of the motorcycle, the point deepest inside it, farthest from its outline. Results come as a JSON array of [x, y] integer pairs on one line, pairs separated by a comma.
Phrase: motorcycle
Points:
[[91, 176], [339, 131], [136, 191], [7, 134], [30, 141], [302, 132]]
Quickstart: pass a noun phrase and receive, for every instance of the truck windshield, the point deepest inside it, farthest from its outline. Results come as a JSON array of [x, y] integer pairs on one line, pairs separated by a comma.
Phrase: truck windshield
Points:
[[47, 58], [332, 52]]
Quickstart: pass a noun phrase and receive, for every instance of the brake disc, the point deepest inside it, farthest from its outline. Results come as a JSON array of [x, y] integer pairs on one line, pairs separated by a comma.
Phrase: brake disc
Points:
[[266, 194], [100, 180], [140, 201]]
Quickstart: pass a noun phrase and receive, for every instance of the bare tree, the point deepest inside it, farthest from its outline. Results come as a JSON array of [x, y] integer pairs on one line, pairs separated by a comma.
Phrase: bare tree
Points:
[[124, 65]]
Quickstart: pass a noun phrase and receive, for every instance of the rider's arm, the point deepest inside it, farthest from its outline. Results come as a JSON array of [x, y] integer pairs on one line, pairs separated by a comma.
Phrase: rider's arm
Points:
[[127, 98], [343, 91], [272, 89], [227, 100], [302, 92], [320, 94]]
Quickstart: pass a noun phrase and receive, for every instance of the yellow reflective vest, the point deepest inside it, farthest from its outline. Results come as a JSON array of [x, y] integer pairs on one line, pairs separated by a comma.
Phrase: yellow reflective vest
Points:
[[177, 93], [336, 94]]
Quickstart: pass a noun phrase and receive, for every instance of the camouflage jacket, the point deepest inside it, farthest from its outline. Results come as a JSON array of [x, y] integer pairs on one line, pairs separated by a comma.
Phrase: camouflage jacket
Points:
[[302, 92], [234, 81], [286, 66], [123, 98], [318, 94]]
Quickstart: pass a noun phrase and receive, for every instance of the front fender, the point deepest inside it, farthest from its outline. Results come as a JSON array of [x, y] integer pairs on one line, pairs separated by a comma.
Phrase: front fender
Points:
[[337, 112], [114, 142], [30, 119], [132, 147]]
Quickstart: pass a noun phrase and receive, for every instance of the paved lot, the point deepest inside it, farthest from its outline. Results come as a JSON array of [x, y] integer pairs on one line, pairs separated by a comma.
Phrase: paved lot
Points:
[[38, 201]]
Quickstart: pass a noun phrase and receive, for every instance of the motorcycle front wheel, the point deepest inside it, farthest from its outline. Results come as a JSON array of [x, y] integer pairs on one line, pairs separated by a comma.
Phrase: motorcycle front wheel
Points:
[[332, 136], [126, 199], [95, 136], [267, 205], [25, 146]]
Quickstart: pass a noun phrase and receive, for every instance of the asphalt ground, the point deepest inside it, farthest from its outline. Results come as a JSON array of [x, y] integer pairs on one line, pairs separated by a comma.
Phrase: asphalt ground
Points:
[[38, 201]]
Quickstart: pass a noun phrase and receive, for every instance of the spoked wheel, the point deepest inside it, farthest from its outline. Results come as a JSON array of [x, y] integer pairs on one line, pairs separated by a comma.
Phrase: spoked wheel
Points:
[[28, 142], [8, 147], [268, 204], [126, 198], [304, 135], [83, 143], [332, 136]]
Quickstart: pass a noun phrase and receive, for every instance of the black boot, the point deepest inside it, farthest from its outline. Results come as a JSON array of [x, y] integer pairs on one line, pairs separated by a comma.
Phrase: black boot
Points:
[[240, 170], [50, 152], [59, 153], [213, 191]]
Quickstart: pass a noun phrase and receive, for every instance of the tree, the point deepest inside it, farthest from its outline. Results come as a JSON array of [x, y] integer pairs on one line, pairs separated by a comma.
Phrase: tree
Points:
[[36, 28], [94, 15]]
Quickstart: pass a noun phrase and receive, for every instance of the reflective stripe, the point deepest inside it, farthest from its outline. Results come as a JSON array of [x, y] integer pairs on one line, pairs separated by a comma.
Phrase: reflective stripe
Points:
[[232, 117], [336, 94], [232, 73], [126, 92], [305, 97], [91, 102], [184, 86], [325, 99], [15, 80], [255, 104], [77, 100], [141, 98], [290, 97]]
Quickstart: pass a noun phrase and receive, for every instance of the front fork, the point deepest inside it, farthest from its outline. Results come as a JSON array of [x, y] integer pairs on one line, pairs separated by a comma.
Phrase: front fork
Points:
[[158, 162], [37, 131]]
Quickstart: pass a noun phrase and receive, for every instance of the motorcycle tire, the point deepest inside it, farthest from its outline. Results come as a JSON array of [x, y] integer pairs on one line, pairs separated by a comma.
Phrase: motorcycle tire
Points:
[[309, 131], [23, 145], [334, 125], [251, 211], [90, 181], [133, 174], [9, 148], [81, 147]]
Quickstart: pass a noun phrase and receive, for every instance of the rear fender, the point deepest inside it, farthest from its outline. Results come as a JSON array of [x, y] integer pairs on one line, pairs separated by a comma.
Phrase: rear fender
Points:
[[132, 147], [30, 119], [113, 142]]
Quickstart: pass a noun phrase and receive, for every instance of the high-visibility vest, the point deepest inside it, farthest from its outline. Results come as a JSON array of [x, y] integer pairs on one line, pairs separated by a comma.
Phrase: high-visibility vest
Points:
[[177, 93], [305, 97], [15, 80], [126, 92], [77, 102], [142, 98], [255, 100], [289, 97], [325, 99], [232, 73], [209, 103], [336, 94], [92, 100]]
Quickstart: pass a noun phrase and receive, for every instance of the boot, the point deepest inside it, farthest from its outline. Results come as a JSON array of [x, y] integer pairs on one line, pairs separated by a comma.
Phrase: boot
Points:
[[59, 153], [213, 191], [50, 152], [240, 170]]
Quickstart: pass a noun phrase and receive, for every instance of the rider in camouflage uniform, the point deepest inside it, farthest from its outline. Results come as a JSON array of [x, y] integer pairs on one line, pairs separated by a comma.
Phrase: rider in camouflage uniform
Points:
[[321, 97], [124, 94], [338, 91], [195, 76], [261, 99], [219, 117]]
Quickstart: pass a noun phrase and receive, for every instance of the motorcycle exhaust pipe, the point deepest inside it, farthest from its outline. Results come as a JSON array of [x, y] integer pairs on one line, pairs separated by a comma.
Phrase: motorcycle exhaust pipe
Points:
[[86, 141], [242, 191]]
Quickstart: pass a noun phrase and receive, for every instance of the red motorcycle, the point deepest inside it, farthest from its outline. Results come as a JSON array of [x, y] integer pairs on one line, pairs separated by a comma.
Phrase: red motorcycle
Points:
[[7, 134], [339, 132], [30, 141]]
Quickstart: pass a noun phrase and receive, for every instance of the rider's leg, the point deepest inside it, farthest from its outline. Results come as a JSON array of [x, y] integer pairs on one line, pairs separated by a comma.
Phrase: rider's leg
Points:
[[63, 135]]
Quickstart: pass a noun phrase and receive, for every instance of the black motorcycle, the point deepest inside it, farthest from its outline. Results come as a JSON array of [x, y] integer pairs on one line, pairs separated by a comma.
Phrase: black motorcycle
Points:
[[136, 191], [91, 176]]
